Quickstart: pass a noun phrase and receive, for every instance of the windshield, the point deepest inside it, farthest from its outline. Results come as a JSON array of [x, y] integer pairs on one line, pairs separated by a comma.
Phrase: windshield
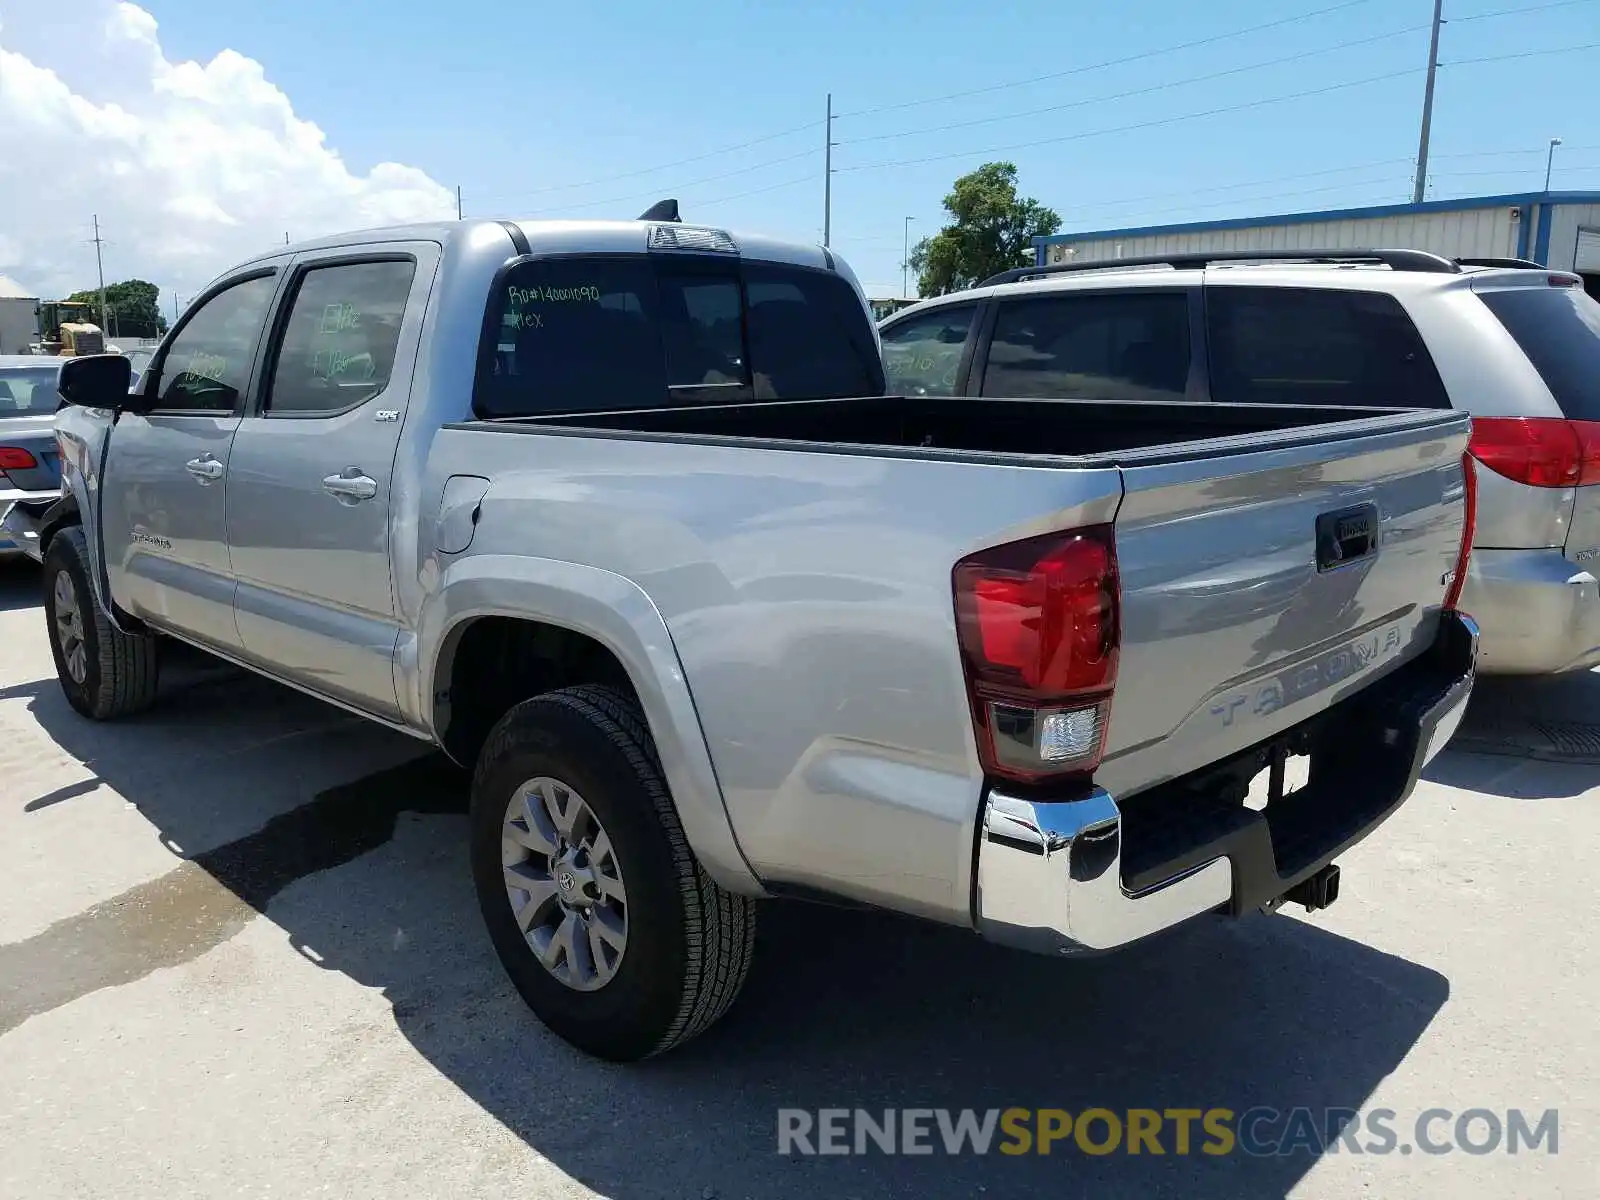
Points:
[[1559, 330], [590, 334], [28, 391]]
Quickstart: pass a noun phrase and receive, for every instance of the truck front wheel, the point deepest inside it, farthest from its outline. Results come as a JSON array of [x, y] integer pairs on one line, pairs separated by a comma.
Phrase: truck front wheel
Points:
[[611, 931], [104, 672]]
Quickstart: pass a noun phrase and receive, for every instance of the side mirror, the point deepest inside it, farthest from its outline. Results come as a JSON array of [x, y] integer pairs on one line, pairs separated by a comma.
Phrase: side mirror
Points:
[[95, 381]]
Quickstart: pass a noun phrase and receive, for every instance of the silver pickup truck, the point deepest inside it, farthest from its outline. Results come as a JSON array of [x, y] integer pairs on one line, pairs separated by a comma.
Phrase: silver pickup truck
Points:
[[619, 514]]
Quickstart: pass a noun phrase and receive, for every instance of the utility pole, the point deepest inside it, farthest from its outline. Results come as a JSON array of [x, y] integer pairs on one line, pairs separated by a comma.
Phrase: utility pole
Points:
[[905, 257], [100, 268], [458, 202], [827, 174], [1427, 104]]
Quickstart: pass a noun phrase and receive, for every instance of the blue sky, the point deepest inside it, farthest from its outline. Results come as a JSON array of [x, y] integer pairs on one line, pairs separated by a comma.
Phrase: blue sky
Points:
[[517, 104]]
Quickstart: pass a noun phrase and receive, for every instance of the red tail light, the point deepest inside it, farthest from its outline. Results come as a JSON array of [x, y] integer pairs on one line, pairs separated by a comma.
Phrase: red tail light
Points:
[[1469, 529], [16, 458], [1539, 451], [1038, 622]]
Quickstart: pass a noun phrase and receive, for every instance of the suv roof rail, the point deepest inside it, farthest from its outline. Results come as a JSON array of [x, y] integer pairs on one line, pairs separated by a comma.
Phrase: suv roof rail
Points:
[[1395, 260], [1515, 263]]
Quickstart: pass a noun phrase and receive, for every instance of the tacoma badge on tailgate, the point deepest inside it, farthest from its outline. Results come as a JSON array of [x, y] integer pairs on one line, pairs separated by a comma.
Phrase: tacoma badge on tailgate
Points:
[[1296, 683]]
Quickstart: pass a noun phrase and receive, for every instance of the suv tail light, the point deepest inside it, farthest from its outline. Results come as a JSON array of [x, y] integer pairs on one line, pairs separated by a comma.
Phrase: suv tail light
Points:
[[1539, 451], [1469, 529], [16, 458], [1039, 626]]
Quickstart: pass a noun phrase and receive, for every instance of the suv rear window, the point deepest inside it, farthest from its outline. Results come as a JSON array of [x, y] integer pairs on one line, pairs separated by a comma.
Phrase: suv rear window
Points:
[[1317, 346], [595, 334], [1559, 330]]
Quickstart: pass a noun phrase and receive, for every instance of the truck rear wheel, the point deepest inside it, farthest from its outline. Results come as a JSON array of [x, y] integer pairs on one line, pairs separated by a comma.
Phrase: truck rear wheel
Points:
[[611, 931], [104, 672]]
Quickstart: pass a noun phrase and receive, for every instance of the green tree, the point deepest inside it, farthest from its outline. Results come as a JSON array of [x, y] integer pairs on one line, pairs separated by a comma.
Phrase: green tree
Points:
[[133, 308], [990, 230]]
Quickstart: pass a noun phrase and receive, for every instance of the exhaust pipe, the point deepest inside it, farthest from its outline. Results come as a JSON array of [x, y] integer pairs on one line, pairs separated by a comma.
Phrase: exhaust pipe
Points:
[[1320, 891]]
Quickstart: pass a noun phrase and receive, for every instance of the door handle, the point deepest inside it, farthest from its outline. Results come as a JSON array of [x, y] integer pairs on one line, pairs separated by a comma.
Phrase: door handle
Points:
[[351, 486], [205, 468]]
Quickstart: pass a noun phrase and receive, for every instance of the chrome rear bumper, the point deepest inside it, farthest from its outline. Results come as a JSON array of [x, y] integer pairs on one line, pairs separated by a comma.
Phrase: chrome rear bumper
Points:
[[1058, 876], [1050, 878]]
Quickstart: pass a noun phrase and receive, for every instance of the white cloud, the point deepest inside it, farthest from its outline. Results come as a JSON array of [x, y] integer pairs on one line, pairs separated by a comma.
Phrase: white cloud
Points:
[[190, 166]]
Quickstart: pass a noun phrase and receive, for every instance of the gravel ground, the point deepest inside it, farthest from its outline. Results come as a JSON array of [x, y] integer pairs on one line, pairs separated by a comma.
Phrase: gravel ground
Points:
[[240, 956]]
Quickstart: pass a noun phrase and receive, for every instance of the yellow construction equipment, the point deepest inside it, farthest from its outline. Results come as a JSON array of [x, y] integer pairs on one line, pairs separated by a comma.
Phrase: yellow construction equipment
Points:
[[67, 329]]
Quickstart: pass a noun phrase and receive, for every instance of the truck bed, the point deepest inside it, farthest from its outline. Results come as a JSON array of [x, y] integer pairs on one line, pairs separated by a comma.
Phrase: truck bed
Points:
[[800, 556], [1093, 431]]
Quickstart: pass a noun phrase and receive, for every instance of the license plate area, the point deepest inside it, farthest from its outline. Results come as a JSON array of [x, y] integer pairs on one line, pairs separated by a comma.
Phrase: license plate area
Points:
[[1286, 774]]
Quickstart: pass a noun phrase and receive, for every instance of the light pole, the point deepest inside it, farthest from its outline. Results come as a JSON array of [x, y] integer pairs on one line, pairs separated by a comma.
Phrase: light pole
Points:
[[1550, 161], [905, 257]]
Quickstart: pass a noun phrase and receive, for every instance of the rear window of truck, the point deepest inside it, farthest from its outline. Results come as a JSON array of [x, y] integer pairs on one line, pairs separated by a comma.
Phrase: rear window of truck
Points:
[[1559, 330], [591, 334]]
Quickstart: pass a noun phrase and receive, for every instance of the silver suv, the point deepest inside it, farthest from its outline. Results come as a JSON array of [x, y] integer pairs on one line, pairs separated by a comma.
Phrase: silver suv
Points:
[[1513, 343]]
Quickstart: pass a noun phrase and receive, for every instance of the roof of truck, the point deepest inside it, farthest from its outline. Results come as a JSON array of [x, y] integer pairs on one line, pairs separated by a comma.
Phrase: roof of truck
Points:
[[447, 232], [491, 237]]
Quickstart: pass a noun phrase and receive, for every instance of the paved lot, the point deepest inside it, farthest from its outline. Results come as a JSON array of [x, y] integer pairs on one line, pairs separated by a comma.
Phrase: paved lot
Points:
[[239, 956]]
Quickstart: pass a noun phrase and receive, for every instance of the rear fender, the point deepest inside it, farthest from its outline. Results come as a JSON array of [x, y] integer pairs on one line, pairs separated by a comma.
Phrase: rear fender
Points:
[[618, 614]]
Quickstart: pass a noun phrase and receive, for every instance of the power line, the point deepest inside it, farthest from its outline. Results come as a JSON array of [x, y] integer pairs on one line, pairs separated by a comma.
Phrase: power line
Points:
[[1111, 62], [1514, 12], [1194, 116], [1144, 91], [682, 162], [1501, 171], [1333, 187], [1540, 152], [1464, 62], [1229, 187], [1073, 211], [787, 183], [1350, 168], [688, 184], [1139, 57], [1139, 125]]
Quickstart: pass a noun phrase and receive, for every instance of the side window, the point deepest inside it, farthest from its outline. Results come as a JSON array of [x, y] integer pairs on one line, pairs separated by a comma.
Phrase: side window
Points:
[[575, 334], [921, 355], [1308, 346], [207, 365], [792, 313], [339, 342], [1101, 346]]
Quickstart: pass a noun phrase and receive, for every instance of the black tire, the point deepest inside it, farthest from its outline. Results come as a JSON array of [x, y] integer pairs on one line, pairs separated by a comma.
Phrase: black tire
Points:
[[120, 669], [689, 942]]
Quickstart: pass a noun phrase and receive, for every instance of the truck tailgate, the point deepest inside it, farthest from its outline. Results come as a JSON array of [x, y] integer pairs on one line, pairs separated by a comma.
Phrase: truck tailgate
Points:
[[1262, 585]]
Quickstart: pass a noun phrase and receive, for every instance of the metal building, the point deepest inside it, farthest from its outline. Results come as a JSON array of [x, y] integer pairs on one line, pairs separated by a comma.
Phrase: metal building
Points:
[[1557, 229], [19, 317]]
